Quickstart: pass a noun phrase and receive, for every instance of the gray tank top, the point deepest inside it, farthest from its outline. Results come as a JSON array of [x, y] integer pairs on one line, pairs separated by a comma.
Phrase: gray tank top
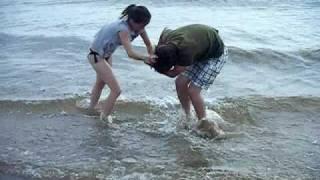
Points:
[[107, 39]]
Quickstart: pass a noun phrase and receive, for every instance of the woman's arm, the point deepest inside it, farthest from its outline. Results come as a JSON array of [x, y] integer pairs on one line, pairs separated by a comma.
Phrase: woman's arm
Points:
[[124, 37], [147, 42]]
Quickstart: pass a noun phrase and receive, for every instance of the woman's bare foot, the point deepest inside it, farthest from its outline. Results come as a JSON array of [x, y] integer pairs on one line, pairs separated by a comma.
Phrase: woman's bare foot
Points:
[[84, 106]]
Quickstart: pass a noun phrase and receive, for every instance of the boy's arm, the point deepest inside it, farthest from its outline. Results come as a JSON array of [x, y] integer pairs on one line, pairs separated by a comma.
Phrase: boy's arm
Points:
[[147, 42], [175, 71]]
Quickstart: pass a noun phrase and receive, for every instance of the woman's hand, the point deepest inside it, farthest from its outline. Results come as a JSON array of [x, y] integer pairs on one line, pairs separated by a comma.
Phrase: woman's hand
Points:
[[151, 59]]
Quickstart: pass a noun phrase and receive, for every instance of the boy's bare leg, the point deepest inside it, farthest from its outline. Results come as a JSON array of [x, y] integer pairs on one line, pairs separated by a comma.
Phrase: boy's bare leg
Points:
[[197, 101], [182, 84]]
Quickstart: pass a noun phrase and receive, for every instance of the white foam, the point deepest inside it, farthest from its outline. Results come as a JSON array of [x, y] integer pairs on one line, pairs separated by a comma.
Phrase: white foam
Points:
[[214, 116]]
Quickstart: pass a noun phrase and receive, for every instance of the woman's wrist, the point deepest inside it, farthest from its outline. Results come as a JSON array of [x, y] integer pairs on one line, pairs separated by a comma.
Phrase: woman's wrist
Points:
[[145, 59], [151, 50]]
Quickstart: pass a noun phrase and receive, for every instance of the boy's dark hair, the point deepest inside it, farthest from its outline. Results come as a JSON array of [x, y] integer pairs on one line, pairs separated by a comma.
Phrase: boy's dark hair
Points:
[[139, 14], [167, 55]]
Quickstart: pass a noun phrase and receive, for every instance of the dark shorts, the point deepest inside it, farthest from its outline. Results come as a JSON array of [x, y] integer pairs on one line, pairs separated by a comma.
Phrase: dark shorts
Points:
[[203, 74]]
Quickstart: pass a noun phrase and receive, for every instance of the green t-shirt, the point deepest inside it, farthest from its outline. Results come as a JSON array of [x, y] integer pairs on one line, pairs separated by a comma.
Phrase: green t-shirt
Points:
[[195, 43]]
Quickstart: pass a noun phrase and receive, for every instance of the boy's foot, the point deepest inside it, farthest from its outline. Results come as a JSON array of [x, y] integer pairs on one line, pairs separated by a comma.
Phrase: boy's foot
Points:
[[185, 121], [207, 128]]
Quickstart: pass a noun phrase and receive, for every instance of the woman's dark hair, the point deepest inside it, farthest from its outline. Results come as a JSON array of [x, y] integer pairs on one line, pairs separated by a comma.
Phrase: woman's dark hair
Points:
[[139, 14], [167, 55]]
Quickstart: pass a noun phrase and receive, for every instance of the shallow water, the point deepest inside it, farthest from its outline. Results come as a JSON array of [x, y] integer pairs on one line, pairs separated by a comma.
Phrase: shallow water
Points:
[[275, 138], [268, 94]]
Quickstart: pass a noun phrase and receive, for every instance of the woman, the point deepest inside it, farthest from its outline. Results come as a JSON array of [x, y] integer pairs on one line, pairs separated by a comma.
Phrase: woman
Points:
[[131, 24]]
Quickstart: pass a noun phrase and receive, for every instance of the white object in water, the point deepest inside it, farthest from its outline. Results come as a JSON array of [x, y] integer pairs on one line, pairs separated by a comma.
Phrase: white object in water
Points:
[[208, 128]]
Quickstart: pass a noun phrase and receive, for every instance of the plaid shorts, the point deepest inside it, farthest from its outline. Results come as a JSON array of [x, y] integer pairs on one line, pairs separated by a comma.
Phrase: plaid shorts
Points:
[[202, 74]]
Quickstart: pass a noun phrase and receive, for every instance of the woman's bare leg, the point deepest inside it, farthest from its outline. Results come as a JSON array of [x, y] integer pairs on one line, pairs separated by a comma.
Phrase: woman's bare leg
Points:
[[105, 73], [96, 92], [97, 89]]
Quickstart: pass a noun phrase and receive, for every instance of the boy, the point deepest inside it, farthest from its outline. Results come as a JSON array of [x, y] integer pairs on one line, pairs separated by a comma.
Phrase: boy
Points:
[[195, 55]]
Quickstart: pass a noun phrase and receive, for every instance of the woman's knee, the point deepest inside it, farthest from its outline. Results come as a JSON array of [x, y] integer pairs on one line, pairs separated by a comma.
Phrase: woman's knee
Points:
[[116, 91], [100, 84]]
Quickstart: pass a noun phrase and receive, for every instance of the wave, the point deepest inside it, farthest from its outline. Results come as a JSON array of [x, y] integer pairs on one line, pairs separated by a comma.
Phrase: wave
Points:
[[218, 2], [166, 2], [41, 46], [266, 56], [61, 60], [69, 106], [76, 45], [232, 108]]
